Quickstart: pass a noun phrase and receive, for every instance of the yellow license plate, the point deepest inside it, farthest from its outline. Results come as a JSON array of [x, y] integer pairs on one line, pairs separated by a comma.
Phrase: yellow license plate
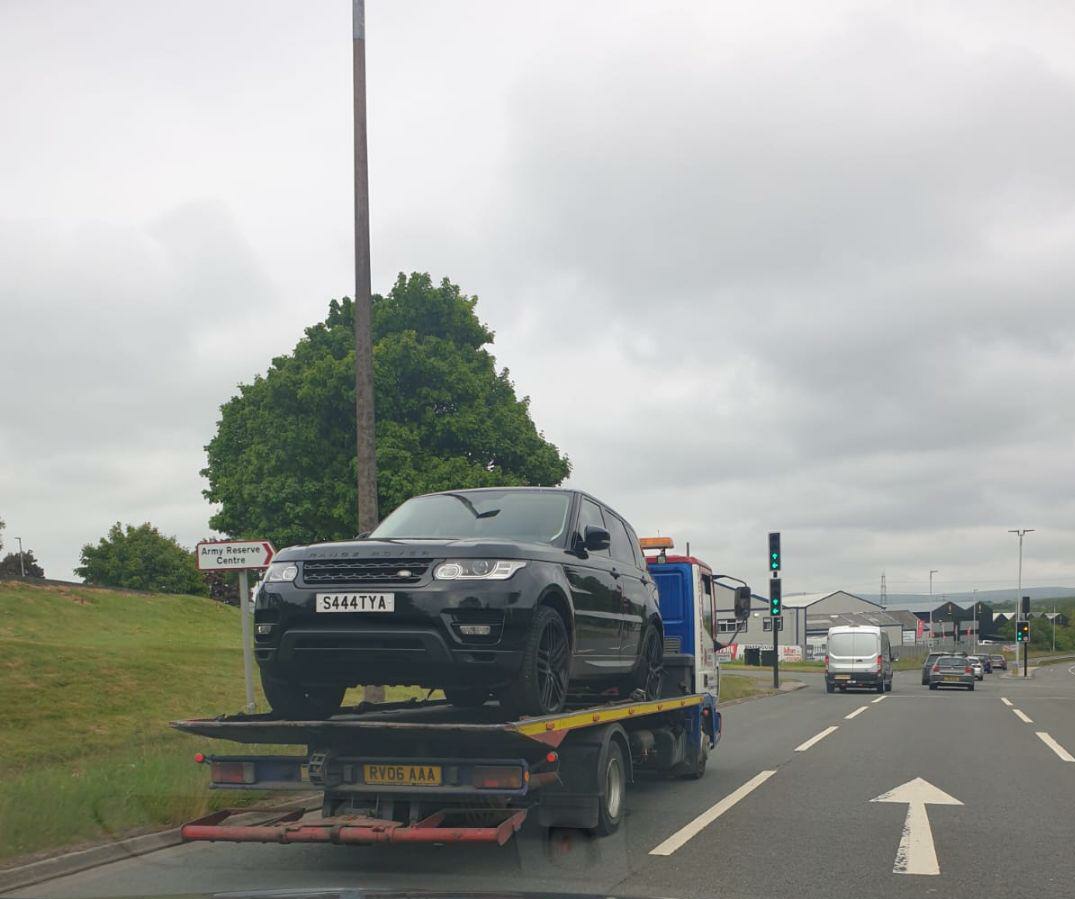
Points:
[[952, 678], [402, 775], [843, 677]]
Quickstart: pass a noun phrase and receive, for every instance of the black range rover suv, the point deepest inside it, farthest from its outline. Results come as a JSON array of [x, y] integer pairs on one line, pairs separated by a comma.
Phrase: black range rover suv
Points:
[[518, 593]]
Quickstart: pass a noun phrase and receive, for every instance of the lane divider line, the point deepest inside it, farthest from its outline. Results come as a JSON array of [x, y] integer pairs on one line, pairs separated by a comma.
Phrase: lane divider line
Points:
[[1065, 756], [1022, 716], [681, 836], [878, 699], [1006, 701], [856, 713], [802, 747]]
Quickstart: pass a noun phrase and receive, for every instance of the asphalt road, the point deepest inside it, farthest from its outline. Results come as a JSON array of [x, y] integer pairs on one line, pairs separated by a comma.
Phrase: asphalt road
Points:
[[803, 825]]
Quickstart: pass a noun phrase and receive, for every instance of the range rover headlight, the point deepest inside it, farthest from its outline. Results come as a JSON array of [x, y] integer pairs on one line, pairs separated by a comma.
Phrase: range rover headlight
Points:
[[477, 569], [282, 571]]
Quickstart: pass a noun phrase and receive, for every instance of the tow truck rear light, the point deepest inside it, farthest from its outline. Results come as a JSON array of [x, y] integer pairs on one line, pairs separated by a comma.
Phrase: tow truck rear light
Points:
[[233, 773], [498, 777]]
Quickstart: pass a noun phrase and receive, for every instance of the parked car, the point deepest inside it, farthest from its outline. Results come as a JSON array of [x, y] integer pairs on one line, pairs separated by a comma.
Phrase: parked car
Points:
[[977, 667], [522, 594], [951, 671], [999, 662], [858, 655]]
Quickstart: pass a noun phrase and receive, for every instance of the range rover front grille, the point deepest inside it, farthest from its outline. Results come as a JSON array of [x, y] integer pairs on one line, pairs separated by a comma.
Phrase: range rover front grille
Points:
[[318, 572]]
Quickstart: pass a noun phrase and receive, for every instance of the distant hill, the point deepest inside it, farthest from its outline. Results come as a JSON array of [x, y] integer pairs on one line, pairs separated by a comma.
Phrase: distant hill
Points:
[[996, 598]]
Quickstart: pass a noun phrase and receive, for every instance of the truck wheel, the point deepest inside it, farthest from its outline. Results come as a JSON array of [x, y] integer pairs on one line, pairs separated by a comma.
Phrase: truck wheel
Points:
[[698, 771], [541, 686], [466, 697], [300, 703], [648, 674], [612, 777]]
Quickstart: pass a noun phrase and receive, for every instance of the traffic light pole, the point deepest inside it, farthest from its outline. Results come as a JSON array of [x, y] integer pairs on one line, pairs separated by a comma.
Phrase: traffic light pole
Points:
[[776, 653], [1026, 647]]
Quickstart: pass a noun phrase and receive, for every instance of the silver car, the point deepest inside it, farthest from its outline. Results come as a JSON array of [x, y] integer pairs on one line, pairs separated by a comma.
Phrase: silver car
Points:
[[951, 671], [977, 666]]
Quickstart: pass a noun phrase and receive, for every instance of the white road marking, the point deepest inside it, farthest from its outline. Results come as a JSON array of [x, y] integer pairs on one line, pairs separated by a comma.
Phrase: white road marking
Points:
[[1006, 701], [877, 700], [858, 711], [681, 836], [1022, 716], [802, 747], [916, 853], [1065, 756]]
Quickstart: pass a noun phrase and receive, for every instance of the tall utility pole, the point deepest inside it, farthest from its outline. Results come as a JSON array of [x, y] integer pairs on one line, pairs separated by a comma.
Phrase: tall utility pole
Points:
[[932, 572], [22, 560], [974, 613], [366, 458], [1021, 532], [884, 591]]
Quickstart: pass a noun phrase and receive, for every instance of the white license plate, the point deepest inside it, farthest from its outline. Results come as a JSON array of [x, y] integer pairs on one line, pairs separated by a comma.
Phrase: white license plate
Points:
[[356, 602]]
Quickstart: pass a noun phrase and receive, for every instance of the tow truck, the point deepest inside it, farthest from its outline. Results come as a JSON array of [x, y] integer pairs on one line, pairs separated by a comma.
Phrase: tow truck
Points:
[[423, 771]]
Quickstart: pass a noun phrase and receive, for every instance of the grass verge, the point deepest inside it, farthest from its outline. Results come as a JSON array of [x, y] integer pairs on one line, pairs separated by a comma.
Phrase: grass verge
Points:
[[89, 679], [739, 686]]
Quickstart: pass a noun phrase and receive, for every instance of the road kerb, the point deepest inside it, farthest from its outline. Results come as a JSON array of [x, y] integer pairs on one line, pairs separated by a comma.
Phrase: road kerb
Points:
[[15, 878]]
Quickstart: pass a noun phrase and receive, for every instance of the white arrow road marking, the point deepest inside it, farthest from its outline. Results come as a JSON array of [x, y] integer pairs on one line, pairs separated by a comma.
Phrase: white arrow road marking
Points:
[[1022, 716], [878, 699], [1065, 756], [802, 747], [696, 826], [916, 854], [855, 713], [1006, 701]]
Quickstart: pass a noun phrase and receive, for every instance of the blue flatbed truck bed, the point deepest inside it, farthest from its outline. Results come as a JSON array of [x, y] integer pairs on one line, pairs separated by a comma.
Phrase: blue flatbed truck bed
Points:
[[427, 772]]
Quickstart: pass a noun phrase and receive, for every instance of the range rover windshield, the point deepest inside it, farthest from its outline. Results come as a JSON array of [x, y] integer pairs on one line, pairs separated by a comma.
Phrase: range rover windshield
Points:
[[524, 515]]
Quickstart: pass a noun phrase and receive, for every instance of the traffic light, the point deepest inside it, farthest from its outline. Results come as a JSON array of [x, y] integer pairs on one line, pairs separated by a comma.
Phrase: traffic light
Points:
[[774, 551], [776, 605], [1022, 631], [742, 603]]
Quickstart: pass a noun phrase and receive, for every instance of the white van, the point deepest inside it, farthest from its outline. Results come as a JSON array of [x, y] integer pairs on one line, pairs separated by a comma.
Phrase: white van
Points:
[[858, 655]]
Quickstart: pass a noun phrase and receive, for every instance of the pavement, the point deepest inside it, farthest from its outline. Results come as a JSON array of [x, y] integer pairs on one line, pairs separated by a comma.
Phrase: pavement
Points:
[[785, 810]]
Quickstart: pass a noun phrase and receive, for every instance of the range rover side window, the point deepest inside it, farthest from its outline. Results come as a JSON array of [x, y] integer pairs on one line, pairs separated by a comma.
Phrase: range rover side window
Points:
[[590, 516], [620, 542]]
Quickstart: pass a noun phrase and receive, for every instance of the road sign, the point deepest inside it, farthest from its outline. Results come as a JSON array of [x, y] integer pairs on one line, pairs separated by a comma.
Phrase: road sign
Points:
[[239, 555], [916, 853], [234, 555]]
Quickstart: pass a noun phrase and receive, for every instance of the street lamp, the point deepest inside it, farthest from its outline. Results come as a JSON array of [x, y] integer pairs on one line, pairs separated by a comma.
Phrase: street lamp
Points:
[[1021, 532]]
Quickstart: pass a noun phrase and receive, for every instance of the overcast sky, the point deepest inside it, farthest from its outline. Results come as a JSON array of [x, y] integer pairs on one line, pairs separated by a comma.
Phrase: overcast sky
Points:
[[807, 267]]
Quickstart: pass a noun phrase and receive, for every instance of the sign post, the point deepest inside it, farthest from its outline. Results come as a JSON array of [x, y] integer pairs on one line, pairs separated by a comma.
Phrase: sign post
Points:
[[239, 555]]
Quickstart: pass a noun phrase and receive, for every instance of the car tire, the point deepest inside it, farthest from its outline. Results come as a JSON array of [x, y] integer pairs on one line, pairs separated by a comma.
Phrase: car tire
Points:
[[297, 702], [888, 686], [541, 685], [880, 688], [466, 697], [933, 686], [612, 776], [648, 675]]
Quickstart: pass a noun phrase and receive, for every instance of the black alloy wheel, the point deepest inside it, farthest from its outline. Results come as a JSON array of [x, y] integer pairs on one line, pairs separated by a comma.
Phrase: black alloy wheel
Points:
[[552, 664], [651, 664]]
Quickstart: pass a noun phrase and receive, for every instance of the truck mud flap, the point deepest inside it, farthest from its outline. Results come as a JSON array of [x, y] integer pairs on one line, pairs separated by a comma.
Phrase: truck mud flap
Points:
[[455, 825]]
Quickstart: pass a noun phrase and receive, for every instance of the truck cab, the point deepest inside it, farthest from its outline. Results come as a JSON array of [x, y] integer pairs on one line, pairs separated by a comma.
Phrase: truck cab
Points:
[[685, 585]]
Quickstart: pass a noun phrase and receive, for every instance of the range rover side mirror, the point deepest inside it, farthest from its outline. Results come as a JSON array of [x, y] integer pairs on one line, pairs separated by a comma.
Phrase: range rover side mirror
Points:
[[596, 538]]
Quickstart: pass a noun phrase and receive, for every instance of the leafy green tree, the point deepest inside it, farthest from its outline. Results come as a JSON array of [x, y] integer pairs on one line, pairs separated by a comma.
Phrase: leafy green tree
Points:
[[141, 558], [282, 465], [9, 565]]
